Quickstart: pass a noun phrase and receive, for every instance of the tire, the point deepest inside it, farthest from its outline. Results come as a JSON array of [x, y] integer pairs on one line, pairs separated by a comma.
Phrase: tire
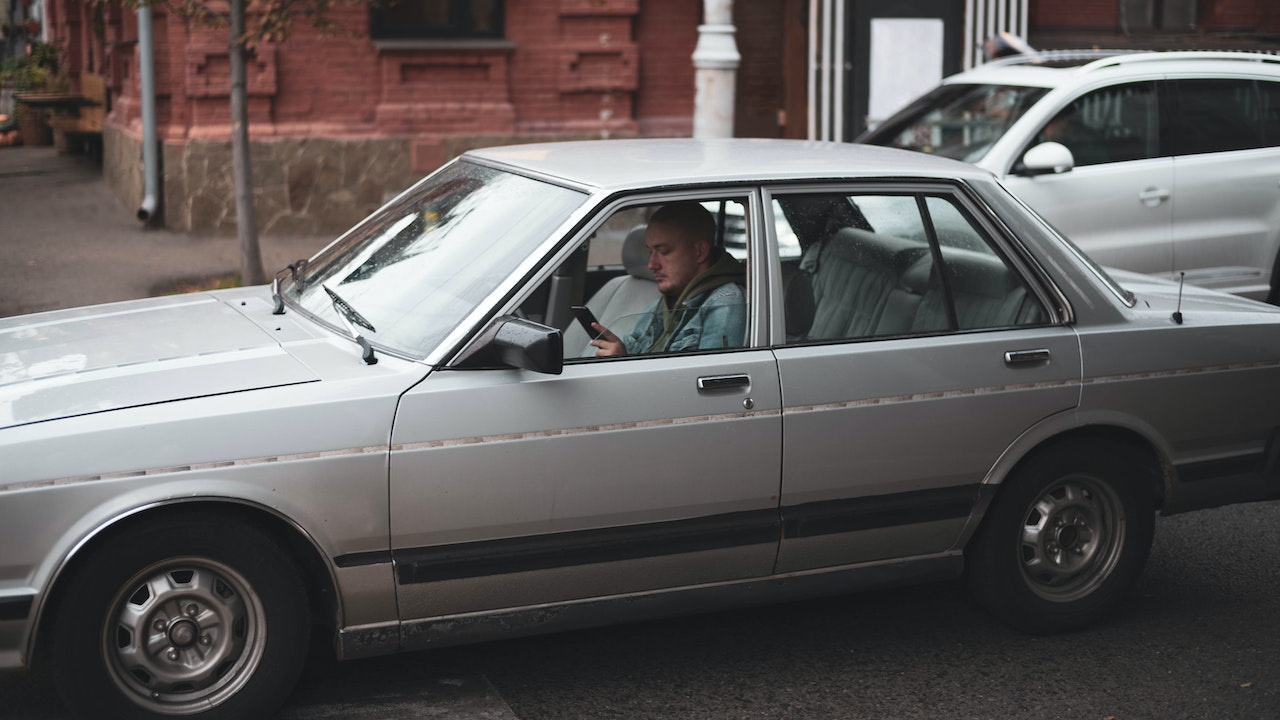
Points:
[[186, 617], [1065, 539]]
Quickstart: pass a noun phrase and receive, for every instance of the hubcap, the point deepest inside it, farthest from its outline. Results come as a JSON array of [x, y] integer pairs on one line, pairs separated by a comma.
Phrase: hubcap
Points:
[[1072, 536], [184, 635]]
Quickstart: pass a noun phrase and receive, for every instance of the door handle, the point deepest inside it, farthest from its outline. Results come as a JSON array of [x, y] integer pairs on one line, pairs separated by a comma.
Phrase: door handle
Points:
[[723, 382], [1152, 197], [1026, 357]]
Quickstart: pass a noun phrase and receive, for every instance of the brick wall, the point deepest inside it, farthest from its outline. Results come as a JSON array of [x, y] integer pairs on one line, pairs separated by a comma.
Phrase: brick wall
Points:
[[760, 88], [1241, 15], [326, 112], [1253, 16], [1074, 14]]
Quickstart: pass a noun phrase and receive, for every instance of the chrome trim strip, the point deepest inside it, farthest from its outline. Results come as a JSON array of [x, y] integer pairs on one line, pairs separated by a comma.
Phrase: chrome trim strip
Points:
[[583, 430], [939, 395], [1257, 365], [641, 425], [244, 462]]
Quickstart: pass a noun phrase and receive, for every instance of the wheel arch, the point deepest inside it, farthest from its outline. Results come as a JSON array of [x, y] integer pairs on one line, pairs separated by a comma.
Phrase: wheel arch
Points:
[[317, 573], [1151, 453]]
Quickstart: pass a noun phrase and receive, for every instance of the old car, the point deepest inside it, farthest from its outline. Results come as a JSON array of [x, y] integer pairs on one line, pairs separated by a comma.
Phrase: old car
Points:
[[1157, 162], [408, 441]]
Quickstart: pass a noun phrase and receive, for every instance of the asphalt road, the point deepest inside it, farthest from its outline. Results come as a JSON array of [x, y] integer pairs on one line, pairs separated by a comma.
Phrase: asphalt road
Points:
[[1197, 641]]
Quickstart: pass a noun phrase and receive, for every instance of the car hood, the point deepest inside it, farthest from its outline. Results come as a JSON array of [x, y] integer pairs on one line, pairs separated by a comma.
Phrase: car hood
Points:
[[1156, 293], [107, 357]]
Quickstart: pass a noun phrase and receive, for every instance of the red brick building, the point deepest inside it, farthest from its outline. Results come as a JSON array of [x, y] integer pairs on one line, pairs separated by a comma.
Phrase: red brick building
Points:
[[340, 123]]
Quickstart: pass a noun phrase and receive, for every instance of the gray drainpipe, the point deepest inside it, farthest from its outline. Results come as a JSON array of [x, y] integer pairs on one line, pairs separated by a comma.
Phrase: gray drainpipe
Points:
[[150, 154]]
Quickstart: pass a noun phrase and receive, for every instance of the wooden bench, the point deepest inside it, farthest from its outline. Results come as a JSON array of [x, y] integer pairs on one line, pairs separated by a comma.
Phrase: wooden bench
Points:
[[83, 129]]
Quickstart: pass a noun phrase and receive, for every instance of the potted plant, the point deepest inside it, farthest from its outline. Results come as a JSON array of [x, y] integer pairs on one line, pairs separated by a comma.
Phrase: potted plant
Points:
[[37, 71]]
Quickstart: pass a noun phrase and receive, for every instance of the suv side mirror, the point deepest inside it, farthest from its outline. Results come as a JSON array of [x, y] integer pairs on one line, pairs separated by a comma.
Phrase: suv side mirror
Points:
[[515, 342], [1047, 158]]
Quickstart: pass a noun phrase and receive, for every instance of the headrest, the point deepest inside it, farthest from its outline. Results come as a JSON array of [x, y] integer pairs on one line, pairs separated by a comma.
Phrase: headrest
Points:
[[635, 254], [968, 273]]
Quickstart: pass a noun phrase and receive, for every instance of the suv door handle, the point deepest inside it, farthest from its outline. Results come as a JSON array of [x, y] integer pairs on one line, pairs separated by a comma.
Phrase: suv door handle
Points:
[[1152, 197], [723, 382], [1026, 357]]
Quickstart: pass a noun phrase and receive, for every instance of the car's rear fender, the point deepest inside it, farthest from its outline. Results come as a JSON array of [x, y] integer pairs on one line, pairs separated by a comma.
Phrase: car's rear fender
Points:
[[1100, 426]]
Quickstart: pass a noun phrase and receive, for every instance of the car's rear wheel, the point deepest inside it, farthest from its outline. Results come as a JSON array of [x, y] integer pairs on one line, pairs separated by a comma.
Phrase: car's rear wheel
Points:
[[1065, 539], [187, 617]]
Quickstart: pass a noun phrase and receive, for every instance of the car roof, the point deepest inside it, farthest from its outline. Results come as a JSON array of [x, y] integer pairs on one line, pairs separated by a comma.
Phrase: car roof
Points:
[[645, 163], [1055, 68]]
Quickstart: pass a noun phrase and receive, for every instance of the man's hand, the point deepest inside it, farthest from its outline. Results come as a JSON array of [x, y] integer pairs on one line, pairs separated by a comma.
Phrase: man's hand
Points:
[[607, 344]]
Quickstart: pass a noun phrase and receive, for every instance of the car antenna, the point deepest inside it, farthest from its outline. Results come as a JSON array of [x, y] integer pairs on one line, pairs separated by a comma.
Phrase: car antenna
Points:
[[1177, 314]]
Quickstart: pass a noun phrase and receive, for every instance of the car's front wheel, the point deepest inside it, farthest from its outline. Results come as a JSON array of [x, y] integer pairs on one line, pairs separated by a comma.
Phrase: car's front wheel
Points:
[[189, 617], [1065, 539]]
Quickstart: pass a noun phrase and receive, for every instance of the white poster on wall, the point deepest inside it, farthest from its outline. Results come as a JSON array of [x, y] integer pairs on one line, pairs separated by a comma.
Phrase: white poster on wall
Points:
[[906, 62]]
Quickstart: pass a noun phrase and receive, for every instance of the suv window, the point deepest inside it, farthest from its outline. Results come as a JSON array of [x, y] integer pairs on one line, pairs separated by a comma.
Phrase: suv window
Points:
[[957, 121], [1220, 115], [1114, 124]]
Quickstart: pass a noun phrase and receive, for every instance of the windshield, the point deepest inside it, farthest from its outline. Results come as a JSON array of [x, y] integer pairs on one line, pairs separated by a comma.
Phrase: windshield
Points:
[[956, 121], [420, 265]]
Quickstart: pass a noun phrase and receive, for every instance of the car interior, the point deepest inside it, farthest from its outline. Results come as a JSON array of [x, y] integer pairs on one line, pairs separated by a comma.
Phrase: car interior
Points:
[[849, 281]]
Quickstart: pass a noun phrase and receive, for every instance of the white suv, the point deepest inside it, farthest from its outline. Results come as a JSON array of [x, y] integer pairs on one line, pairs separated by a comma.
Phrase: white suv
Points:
[[1158, 162]]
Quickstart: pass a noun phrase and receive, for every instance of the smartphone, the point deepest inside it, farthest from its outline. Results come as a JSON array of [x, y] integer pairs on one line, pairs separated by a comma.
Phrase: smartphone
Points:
[[585, 318]]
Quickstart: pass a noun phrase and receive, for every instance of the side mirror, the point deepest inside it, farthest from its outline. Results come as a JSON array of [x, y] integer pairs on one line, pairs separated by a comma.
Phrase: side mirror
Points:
[[514, 342], [1047, 158]]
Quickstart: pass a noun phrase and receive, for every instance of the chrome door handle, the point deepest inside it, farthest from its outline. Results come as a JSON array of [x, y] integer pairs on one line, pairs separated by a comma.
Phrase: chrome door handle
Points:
[[1026, 357], [1152, 197], [723, 382]]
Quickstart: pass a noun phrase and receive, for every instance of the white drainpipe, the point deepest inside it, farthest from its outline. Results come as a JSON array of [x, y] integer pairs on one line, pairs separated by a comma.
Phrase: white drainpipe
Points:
[[150, 149]]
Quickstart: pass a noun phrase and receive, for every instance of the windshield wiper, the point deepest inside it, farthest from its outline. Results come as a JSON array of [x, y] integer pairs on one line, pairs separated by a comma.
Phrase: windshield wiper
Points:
[[352, 318]]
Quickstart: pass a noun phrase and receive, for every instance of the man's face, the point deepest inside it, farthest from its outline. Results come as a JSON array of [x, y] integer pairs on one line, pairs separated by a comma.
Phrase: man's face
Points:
[[674, 259]]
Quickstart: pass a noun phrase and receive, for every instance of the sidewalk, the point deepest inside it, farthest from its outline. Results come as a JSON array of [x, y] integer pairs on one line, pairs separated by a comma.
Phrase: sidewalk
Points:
[[66, 241]]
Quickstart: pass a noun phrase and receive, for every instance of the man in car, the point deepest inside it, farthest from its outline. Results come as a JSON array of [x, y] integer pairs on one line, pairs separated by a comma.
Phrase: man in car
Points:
[[703, 303]]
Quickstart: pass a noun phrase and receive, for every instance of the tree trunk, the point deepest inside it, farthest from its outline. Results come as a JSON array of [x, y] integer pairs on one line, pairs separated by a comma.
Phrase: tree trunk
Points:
[[251, 272]]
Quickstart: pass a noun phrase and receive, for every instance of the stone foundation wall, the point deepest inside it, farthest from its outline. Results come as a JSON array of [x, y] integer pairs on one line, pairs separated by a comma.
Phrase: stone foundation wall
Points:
[[122, 166], [301, 186]]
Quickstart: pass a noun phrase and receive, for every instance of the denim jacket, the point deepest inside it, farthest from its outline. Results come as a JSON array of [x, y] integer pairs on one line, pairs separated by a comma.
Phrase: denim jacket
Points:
[[711, 313]]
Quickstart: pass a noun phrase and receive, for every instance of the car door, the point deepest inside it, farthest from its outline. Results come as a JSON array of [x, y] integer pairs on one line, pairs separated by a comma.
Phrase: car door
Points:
[[929, 353], [617, 476], [1117, 202], [1225, 139]]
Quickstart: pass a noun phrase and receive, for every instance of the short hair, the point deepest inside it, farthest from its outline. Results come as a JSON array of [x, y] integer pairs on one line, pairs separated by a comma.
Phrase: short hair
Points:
[[695, 220]]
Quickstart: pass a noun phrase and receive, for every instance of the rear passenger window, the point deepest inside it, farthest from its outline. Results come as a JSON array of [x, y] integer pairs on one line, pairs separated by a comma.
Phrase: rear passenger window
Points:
[[1220, 115], [892, 265]]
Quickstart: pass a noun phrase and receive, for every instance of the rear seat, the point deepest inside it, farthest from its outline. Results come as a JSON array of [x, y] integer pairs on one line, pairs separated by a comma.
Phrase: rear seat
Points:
[[857, 287], [986, 294], [866, 285]]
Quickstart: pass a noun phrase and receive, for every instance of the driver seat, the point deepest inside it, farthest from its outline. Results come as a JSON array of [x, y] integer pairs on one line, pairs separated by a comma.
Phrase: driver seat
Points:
[[622, 297]]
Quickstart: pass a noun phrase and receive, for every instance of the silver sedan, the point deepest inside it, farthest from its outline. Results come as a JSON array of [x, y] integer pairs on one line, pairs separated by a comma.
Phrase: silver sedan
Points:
[[409, 440]]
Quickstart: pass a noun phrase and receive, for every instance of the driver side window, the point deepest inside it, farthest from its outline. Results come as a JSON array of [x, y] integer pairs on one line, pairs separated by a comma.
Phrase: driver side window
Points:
[[1114, 124], [659, 278]]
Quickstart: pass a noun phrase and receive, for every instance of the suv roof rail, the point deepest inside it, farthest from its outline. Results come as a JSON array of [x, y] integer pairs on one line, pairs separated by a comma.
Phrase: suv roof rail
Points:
[[1133, 58], [1088, 60], [1054, 58]]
